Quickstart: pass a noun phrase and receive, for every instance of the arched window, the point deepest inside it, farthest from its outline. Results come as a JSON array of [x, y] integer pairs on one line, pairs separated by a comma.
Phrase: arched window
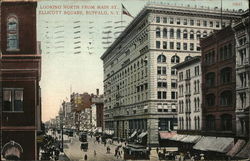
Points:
[[210, 79], [198, 35], [187, 58], [198, 123], [161, 59], [158, 32], [195, 123], [171, 33], [205, 34], [165, 33], [175, 59], [225, 75], [178, 33], [226, 122], [12, 32], [226, 98], [210, 122], [185, 34], [191, 35], [210, 100]]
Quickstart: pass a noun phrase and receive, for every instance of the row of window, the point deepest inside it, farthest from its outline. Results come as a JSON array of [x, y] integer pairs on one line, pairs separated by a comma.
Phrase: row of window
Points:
[[162, 59], [225, 98], [191, 22], [225, 119], [188, 105], [180, 34], [12, 100], [225, 77], [163, 95], [188, 123], [178, 46]]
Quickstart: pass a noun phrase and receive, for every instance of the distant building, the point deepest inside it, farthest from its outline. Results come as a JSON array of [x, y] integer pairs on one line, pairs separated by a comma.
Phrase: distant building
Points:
[[140, 86], [97, 105], [21, 73]]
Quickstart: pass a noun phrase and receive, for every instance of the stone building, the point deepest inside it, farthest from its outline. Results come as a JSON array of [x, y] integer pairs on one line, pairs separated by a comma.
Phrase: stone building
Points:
[[140, 86]]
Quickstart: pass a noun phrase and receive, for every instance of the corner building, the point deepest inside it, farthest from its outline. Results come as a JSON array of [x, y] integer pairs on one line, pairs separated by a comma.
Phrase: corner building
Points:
[[140, 86], [21, 73]]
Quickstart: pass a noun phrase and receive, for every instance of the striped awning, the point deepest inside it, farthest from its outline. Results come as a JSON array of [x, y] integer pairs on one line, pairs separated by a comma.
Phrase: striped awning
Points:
[[166, 135]]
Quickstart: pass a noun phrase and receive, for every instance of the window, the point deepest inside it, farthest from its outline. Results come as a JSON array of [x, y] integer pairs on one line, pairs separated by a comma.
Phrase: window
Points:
[[162, 84], [178, 21], [171, 20], [158, 19], [205, 34], [242, 99], [173, 95], [210, 79], [178, 46], [185, 34], [217, 24], [198, 48], [191, 22], [211, 24], [180, 76], [171, 33], [191, 35], [196, 71], [226, 98], [171, 45], [184, 46], [165, 20], [198, 35], [226, 122], [12, 33], [158, 32], [188, 74], [225, 75], [173, 71], [178, 33], [185, 22], [173, 83], [210, 122], [198, 22], [158, 44], [205, 23], [161, 70], [175, 59], [165, 33], [164, 44], [161, 59], [161, 95], [210, 100], [191, 46], [12, 99], [243, 79]]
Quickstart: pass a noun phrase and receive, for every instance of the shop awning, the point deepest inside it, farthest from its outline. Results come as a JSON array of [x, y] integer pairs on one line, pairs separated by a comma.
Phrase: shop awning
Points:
[[244, 153], [109, 132], [166, 135], [177, 137], [133, 134], [142, 134], [236, 148], [191, 139], [217, 144]]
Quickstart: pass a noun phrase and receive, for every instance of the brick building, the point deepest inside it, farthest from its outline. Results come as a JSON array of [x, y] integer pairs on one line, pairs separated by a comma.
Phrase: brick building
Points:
[[20, 69]]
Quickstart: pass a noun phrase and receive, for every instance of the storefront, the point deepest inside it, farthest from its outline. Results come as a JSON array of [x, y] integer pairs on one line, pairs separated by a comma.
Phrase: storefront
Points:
[[136, 152]]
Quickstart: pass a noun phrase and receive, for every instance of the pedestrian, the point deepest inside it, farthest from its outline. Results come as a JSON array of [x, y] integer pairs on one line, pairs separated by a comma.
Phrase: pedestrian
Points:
[[157, 150], [94, 153], [85, 157]]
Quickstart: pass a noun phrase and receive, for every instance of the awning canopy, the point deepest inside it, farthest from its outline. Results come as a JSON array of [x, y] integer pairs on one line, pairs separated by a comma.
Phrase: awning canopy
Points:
[[166, 135], [244, 153], [177, 137], [109, 132], [191, 139], [142, 134], [236, 148], [133, 135], [217, 144]]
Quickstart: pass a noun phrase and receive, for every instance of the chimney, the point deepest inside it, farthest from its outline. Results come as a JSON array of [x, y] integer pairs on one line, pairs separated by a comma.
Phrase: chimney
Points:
[[97, 92]]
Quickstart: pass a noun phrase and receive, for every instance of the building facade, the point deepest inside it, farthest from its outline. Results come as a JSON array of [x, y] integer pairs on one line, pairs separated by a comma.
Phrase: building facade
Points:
[[21, 72], [189, 95], [218, 87], [140, 86], [241, 30]]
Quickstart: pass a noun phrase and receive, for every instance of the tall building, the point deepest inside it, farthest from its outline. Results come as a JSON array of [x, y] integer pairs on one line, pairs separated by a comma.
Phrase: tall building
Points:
[[189, 95], [21, 72], [140, 86]]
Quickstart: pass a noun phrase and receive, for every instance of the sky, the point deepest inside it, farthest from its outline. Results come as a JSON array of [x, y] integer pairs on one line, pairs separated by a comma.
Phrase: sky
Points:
[[73, 36]]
